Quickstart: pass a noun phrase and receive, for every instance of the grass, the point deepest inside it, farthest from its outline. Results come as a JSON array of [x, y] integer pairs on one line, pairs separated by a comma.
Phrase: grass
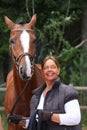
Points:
[[4, 120]]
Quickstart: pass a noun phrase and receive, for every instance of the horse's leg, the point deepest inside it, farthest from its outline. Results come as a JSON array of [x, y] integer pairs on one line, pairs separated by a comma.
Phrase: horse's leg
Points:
[[10, 97], [1, 125]]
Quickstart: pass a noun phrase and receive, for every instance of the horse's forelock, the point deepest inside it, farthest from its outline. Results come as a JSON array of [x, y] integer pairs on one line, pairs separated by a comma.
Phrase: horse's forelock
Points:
[[22, 22]]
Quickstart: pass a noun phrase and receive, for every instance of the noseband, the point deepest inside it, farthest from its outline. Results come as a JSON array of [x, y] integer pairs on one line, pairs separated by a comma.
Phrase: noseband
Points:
[[18, 59]]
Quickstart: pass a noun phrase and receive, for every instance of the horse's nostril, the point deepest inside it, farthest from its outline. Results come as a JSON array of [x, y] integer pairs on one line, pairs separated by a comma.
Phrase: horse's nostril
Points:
[[21, 70]]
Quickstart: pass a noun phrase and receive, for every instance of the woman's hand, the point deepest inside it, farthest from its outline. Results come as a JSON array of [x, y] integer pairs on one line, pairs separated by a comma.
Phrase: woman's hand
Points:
[[25, 122], [22, 123], [46, 115], [55, 118]]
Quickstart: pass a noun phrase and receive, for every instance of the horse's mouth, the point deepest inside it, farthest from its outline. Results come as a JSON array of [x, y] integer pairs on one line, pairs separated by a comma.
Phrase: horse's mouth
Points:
[[25, 77]]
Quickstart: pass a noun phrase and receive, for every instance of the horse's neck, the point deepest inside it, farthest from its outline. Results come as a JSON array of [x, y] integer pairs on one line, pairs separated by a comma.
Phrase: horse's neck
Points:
[[38, 74], [35, 81]]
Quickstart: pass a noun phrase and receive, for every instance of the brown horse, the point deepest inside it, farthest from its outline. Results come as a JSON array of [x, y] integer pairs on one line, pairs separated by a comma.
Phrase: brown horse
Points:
[[22, 48]]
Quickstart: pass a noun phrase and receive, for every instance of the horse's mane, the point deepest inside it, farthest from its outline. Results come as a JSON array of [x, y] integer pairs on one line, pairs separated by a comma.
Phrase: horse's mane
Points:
[[22, 22]]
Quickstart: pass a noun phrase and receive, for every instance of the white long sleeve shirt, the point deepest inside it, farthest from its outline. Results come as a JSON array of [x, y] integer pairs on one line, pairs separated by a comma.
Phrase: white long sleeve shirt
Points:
[[72, 115]]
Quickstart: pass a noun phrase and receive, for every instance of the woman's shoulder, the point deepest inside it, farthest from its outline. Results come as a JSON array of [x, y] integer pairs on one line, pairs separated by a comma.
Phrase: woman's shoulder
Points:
[[69, 88], [70, 92]]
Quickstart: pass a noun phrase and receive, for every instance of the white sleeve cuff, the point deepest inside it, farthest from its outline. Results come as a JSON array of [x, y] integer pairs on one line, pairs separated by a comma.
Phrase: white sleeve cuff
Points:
[[72, 115]]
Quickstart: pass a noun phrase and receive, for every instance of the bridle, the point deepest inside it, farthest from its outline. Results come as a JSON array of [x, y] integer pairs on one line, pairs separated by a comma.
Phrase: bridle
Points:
[[22, 29], [18, 59], [17, 63]]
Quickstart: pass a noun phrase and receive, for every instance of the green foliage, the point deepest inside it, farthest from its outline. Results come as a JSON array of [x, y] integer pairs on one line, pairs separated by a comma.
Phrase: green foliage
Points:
[[79, 69], [57, 30], [84, 120], [54, 40], [4, 120]]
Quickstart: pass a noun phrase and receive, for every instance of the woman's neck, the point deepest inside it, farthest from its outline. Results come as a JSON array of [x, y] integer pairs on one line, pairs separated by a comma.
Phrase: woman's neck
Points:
[[49, 84]]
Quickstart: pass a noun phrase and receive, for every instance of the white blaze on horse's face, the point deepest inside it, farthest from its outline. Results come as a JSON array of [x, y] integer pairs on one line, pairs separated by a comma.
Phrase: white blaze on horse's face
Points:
[[25, 41]]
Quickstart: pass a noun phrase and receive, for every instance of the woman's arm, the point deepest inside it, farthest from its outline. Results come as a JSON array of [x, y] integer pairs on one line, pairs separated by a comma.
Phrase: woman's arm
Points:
[[72, 115]]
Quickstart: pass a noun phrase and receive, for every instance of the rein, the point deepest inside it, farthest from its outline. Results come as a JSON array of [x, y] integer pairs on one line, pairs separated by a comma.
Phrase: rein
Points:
[[9, 116], [12, 110]]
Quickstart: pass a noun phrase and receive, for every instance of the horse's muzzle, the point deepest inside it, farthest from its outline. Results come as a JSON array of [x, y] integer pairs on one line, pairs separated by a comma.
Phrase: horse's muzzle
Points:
[[24, 73]]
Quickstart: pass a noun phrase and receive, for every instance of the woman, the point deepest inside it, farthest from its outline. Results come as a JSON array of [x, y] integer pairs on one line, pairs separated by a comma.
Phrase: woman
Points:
[[56, 103]]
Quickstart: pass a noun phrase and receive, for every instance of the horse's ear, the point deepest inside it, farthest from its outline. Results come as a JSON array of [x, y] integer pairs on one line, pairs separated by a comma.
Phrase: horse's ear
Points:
[[33, 21], [9, 23]]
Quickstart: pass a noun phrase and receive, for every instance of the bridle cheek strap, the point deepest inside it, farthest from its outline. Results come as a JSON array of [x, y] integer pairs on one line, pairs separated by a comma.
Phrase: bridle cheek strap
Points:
[[19, 58]]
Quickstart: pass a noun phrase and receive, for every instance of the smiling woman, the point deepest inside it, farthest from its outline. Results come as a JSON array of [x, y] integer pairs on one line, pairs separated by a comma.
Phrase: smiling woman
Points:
[[55, 100]]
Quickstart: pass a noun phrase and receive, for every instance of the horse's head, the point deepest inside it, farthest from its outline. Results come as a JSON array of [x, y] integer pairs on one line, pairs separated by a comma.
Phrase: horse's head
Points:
[[22, 46]]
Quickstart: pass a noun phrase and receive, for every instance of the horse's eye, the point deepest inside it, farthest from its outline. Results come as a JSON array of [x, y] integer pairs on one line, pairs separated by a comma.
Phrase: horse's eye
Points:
[[11, 41]]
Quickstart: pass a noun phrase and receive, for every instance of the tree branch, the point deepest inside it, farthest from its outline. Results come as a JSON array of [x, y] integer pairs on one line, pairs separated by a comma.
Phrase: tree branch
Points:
[[33, 9], [79, 45], [63, 29], [26, 4]]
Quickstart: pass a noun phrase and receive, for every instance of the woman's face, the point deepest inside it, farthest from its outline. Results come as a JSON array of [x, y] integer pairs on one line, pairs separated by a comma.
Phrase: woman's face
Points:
[[50, 70]]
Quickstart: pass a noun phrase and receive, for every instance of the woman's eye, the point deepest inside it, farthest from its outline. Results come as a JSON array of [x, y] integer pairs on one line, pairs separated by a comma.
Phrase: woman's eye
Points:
[[50, 67]]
